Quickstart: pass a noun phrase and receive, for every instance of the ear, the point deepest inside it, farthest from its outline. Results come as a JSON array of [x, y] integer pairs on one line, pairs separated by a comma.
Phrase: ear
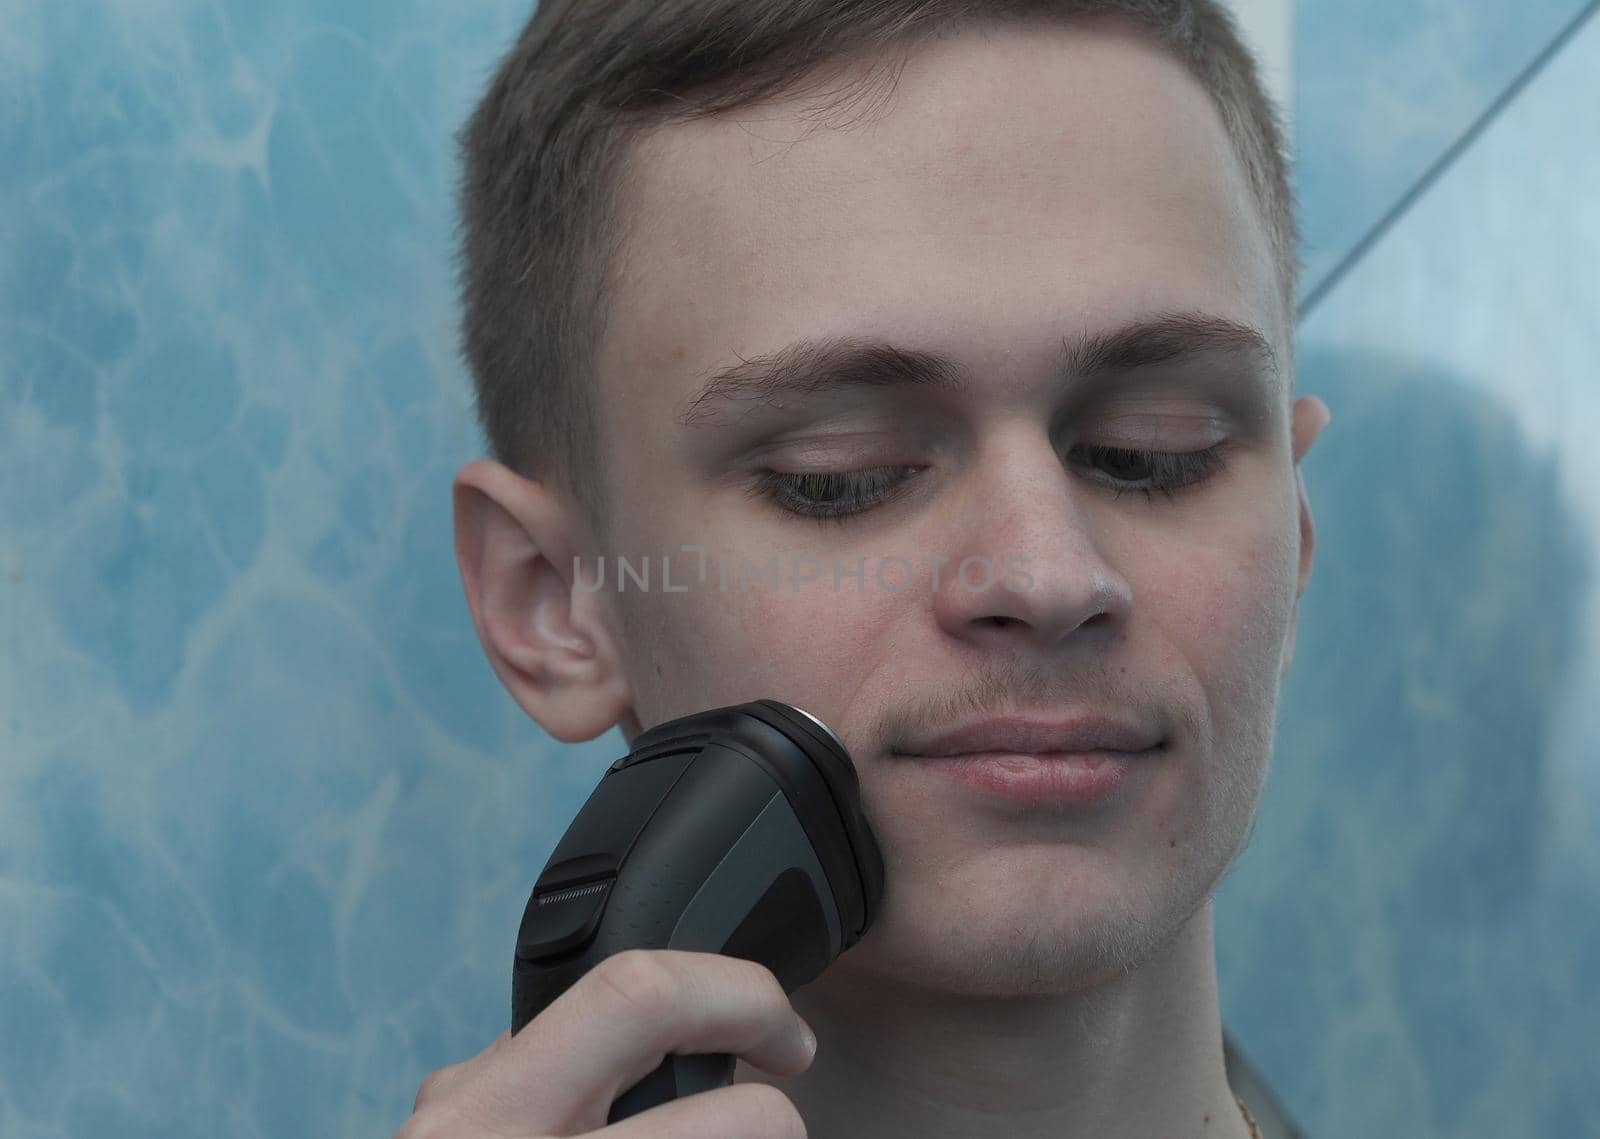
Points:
[[550, 645], [1310, 416]]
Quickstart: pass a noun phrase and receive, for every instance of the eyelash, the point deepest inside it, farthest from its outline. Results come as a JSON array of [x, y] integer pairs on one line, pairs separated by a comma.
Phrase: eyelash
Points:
[[1170, 471]]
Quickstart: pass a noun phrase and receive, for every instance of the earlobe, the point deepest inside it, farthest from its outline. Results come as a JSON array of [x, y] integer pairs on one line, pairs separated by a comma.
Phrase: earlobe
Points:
[[550, 645]]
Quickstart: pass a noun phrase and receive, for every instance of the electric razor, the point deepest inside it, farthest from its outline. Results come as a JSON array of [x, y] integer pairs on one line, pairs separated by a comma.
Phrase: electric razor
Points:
[[737, 830]]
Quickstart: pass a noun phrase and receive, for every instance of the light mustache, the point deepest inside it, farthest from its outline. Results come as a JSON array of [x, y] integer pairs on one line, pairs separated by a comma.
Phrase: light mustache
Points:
[[1056, 732]]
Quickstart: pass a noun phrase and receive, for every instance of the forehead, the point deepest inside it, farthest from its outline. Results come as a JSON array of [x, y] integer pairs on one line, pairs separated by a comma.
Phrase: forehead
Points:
[[1023, 183]]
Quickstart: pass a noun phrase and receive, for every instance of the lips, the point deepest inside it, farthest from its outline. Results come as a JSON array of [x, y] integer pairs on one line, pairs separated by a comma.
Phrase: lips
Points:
[[1020, 736]]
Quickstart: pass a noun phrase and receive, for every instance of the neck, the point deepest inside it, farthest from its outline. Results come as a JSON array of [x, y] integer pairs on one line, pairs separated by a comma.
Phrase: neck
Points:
[[1134, 1056]]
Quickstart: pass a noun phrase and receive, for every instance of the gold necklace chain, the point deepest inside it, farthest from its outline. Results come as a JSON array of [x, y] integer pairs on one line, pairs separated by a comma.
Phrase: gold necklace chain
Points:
[[1255, 1132]]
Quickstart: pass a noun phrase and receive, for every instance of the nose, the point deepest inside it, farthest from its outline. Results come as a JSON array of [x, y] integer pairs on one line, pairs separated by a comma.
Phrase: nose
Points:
[[1027, 561]]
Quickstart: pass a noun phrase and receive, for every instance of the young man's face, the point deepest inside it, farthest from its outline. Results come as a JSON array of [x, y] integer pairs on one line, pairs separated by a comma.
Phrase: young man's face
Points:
[[1028, 188]]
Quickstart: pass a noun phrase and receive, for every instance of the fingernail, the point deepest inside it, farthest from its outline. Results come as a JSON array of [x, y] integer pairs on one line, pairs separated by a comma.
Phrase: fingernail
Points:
[[808, 1038]]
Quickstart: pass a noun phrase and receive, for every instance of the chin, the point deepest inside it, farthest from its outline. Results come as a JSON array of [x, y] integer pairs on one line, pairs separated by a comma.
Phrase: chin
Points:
[[1009, 956]]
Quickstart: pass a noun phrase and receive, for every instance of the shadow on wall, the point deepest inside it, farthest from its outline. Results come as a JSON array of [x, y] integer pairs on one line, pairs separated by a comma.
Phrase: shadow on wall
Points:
[[1451, 575], [1435, 660]]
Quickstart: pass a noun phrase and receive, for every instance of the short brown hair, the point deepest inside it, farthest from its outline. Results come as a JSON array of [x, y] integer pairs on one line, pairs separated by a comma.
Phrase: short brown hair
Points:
[[546, 160]]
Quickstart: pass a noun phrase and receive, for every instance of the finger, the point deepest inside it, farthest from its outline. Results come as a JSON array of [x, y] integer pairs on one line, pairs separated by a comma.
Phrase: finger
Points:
[[438, 1084], [621, 1019]]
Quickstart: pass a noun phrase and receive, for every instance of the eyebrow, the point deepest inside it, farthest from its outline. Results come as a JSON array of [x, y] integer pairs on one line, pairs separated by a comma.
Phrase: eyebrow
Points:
[[807, 367]]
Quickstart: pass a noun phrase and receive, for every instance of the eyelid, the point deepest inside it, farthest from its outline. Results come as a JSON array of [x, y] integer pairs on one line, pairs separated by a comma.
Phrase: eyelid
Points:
[[1180, 470], [1157, 429], [864, 442], [778, 488]]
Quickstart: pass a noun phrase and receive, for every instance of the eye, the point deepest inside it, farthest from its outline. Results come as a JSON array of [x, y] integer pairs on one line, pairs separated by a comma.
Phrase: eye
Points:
[[835, 495], [1126, 469]]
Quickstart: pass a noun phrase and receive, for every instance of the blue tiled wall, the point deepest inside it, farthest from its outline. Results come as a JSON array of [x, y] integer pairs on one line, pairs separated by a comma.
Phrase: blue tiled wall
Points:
[[267, 819], [265, 813]]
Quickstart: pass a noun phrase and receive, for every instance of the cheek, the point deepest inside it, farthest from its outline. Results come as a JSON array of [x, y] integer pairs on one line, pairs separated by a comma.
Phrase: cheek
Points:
[[683, 653], [709, 647], [816, 646], [1217, 619], [1228, 607]]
